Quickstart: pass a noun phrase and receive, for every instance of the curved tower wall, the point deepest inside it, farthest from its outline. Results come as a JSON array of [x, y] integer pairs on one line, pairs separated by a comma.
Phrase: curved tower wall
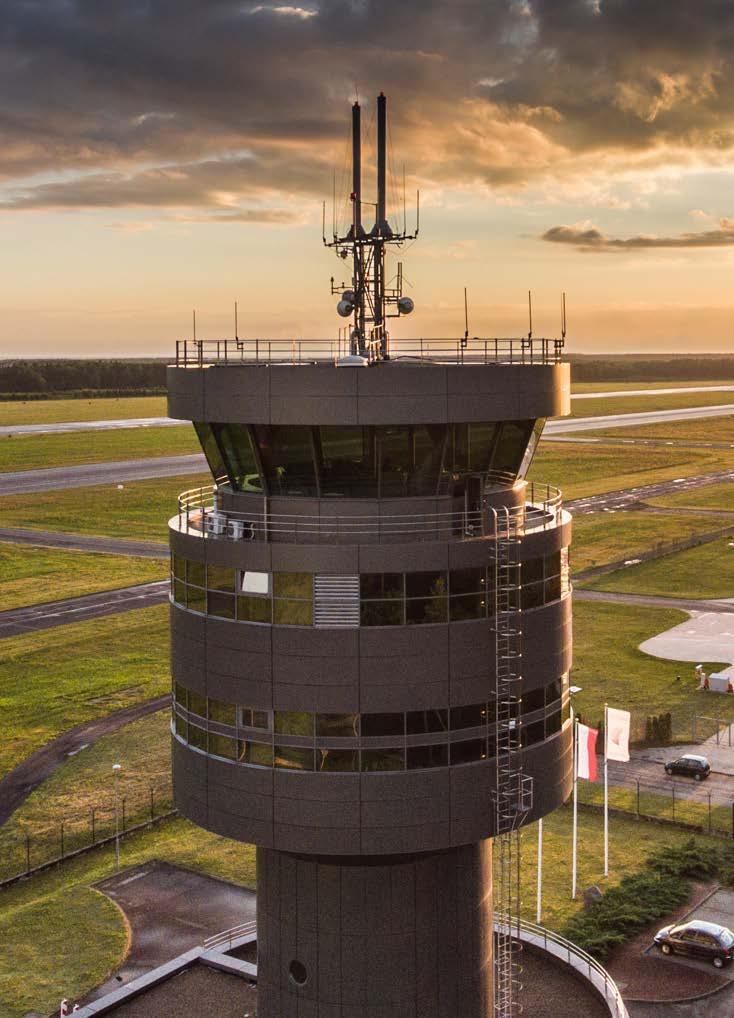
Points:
[[334, 662]]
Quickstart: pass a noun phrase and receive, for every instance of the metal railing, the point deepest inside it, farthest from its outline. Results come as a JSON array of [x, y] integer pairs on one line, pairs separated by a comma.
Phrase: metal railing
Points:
[[225, 940], [199, 352], [199, 514], [579, 960]]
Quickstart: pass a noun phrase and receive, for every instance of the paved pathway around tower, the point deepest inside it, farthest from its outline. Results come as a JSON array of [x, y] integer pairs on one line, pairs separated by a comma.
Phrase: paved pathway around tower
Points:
[[16, 786], [170, 910], [81, 609]]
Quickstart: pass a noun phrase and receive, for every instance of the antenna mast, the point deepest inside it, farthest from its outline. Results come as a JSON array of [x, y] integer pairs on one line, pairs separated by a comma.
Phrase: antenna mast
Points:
[[368, 300]]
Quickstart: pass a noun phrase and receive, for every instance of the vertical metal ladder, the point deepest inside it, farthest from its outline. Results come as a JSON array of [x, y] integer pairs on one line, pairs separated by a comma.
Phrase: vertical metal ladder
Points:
[[514, 792]]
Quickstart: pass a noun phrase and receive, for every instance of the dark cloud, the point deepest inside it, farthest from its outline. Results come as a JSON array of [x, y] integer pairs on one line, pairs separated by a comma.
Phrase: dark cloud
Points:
[[103, 102], [589, 239]]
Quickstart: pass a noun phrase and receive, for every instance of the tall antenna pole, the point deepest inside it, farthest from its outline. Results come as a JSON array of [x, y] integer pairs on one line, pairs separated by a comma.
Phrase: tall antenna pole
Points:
[[381, 219], [356, 171]]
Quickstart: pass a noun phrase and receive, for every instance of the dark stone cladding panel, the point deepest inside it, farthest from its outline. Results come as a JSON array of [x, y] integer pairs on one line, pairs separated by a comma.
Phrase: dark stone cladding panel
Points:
[[361, 814], [364, 558], [372, 669], [383, 938], [386, 393]]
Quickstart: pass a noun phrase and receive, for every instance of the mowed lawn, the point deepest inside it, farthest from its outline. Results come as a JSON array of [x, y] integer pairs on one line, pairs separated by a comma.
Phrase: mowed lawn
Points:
[[580, 387], [700, 430], [601, 538], [34, 452], [706, 571], [640, 404], [140, 509], [52, 680], [62, 411], [610, 668], [581, 469], [710, 496], [35, 575]]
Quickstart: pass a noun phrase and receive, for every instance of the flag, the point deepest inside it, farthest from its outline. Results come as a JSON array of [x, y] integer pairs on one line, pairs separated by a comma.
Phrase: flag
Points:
[[586, 752], [618, 735]]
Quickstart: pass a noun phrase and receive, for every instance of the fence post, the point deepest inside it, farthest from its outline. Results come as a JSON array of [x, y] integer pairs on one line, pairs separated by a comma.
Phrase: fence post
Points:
[[638, 798], [62, 839]]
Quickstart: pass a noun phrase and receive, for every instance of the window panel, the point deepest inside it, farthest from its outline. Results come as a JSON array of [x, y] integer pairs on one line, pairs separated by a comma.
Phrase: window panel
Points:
[[471, 716], [254, 609], [532, 570], [419, 722], [429, 441], [383, 759], [467, 581], [530, 734], [182, 727], [425, 584], [197, 737], [533, 700], [222, 712], [293, 613], [553, 692], [208, 442], [179, 592], [553, 564], [381, 586], [220, 578], [395, 460], [196, 599], [294, 723], [426, 610], [481, 441], [382, 724], [287, 454], [348, 464], [252, 718], [295, 585], [196, 573], [566, 710], [239, 456], [418, 757], [468, 752], [337, 725], [197, 704], [337, 759], [511, 446], [294, 758], [531, 447], [552, 589], [254, 583], [553, 723], [178, 567], [381, 613], [181, 695], [221, 605], [533, 596], [468, 606], [222, 745], [259, 753]]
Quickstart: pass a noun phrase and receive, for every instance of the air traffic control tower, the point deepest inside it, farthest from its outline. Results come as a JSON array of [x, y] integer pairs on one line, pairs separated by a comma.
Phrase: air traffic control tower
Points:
[[371, 624]]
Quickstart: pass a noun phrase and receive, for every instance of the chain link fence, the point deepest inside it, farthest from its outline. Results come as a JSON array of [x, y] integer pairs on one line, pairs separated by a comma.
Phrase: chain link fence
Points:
[[27, 847]]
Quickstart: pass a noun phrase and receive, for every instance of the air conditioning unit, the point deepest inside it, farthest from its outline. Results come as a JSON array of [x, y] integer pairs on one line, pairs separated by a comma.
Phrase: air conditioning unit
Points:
[[241, 530], [216, 524]]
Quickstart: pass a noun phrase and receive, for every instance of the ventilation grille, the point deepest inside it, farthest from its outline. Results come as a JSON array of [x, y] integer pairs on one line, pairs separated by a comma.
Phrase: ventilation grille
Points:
[[335, 601]]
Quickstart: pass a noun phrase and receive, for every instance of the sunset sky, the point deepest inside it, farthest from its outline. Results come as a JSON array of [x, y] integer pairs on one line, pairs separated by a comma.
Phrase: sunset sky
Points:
[[160, 155]]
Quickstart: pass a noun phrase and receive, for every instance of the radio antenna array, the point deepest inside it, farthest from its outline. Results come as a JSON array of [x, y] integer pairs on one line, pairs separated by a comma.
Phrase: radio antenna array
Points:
[[367, 298]]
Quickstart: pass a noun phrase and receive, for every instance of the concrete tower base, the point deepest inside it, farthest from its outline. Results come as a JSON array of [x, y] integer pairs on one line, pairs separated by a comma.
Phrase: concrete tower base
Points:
[[375, 937]]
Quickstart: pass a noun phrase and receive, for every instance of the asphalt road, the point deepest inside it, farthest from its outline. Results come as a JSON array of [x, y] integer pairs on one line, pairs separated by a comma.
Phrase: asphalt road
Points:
[[652, 392], [654, 601], [612, 500], [16, 786], [565, 425], [81, 609], [84, 542], [22, 482], [54, 429]]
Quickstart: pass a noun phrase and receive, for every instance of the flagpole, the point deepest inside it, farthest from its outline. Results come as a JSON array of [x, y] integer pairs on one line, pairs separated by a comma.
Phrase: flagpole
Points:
[[539, 903], [575, 805], [606, 795]]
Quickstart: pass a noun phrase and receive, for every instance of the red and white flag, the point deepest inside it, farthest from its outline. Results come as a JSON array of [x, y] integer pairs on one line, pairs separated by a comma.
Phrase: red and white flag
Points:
[[618, 735], [586, 752]]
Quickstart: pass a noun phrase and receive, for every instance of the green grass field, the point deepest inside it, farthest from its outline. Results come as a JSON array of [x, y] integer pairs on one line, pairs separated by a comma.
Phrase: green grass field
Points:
[[61, 411], [581, 469], [579, 387], [141, 510], [640, 404], [35, 575], [711, 496], [609, 667], [58, 678], [703, 429], [600, 538], [33, 452], [706, 571]]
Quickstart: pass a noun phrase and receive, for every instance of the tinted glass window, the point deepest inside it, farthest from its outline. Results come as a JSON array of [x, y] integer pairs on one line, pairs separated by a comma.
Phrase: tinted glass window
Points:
[[381, 613], [255, 753], [294, 722], [254, 609], [287, 454], [337, 759], [224, 713], [222, 745], [220, 578], [421, 721], [426, 610], [481, 443], [337, 725], [197, 704], [178, 565], [196, 573], [534, 700], [179, 592], [293, 585], [532, 570], [294, 758], [347, 461], [182, 727], [467, 606], [235, 442], [181, 695], [427, 756], [208, 442], [293, 613], [382, 724], [511, 446], [467, 581], [532, 733], [222, 605], [380, 586], [468, 752], [552, 723], [251, 718], [383, 759], [197, 737], [425, 584], [468, 717]]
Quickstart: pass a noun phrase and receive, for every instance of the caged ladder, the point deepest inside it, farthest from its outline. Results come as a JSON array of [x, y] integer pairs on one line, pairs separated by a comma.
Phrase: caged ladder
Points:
[[514, 791]]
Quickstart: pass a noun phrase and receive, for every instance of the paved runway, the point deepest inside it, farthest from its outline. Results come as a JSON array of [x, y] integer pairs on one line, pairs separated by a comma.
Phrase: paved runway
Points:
[[122, 424], [613, 500], [652, 392], [566, 425], [654, 601], [22, 482], [81, 609], [85, 542]]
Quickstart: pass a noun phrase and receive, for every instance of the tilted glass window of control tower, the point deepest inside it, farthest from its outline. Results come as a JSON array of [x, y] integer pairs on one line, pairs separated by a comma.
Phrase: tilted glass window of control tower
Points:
[[371, 623]]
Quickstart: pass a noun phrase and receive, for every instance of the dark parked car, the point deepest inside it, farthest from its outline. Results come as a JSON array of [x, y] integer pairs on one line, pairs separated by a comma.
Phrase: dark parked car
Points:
[[707, 941], [690, 766]]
